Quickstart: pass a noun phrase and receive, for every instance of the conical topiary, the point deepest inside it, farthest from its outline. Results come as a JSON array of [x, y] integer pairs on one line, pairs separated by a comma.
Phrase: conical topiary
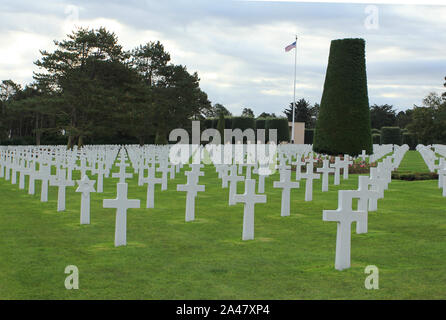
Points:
[[343, 124]]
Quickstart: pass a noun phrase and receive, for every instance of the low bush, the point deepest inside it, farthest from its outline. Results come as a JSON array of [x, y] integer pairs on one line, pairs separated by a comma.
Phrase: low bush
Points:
[[414, 176]]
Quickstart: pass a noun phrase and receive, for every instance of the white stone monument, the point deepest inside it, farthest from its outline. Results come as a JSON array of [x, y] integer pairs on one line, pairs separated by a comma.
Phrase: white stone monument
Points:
[[344, 216], [249, 198], [286, 184], [86, 186], [121, 204]]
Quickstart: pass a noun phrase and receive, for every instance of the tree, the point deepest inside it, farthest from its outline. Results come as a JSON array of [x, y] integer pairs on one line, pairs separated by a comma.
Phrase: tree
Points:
[[267, 115], [314, 113], [9, 91], [444, 93], [216, 110], [382, 116], [93, 90], [247, 112], [343, 124], [302, 112], [403, 118], [429, 121], [88, 72], [179, 99], [150, 61]]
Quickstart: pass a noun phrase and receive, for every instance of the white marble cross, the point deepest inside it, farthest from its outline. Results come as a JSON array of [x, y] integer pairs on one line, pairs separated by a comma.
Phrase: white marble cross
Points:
[[325, 170], [262, 171], [121, 174], [61, 182], [249, 198], [363, 155], [379, 185], [344, 216], [23, 173], [32, 177], [86, 186], [286, 184], [346, 163], [337, 166], [151, 181], [232, 178], [164, 169], [442, 173], [44, 175], [441, 165], [364, 195], [299, 163], [121, 204], [8, 168], [309, 176], [14, 168], [192, 188], [100, 171]]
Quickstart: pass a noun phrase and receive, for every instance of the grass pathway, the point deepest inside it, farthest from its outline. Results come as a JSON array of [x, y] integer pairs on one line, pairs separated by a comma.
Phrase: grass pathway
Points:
[[413, 162]]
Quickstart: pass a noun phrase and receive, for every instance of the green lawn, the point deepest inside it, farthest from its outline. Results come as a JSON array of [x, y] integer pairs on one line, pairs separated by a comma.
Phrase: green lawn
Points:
[[166, 258], [413, 162]]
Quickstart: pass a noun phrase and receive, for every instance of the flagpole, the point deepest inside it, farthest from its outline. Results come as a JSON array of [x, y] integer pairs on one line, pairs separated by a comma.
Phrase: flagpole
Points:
[[294, 94]]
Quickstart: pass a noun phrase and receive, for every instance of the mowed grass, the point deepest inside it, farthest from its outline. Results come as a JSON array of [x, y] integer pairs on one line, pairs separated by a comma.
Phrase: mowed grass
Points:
[[413, 162], [167, 258]]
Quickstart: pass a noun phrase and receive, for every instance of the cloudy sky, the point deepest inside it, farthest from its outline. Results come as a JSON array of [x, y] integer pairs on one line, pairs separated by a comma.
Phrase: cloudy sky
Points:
[[237, 47]]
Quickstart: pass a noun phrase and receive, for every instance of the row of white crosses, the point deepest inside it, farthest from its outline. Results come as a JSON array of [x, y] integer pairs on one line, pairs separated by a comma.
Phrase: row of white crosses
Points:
[[430, 157], [370, 189], [25, 160]]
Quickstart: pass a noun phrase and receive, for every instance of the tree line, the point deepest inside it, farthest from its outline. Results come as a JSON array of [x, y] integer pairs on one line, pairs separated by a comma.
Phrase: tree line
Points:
[[90, 90]]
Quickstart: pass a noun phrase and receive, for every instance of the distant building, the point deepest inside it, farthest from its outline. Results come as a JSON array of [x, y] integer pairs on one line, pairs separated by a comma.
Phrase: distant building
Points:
[[299, 132]]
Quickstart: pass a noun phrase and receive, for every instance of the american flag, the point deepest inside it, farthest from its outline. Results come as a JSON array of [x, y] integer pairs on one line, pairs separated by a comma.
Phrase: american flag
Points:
[[291, 46]]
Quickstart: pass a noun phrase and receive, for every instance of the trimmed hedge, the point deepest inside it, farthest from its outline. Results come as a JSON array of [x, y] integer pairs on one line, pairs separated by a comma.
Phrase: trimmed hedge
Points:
[[414, 176], [343, 125], [228, 122], [283, 130], [376, 138], [376, 131], [207, 124], [261, 124], [391, 135], [410, 139], [309, 135], [243, 123]]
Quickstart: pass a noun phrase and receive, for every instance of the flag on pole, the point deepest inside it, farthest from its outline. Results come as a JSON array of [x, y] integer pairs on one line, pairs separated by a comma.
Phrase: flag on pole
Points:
[[291, 46]]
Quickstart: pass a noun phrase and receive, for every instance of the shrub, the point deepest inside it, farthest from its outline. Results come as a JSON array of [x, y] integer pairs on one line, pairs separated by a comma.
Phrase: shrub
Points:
[[309, 134], [243, 123], [376, 131], [228, 122], [414, 176], [261, 124], [391, 135], [221, 127], [376, 138], [343, 125], [283, 130], [410, 139], [206, 124]]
